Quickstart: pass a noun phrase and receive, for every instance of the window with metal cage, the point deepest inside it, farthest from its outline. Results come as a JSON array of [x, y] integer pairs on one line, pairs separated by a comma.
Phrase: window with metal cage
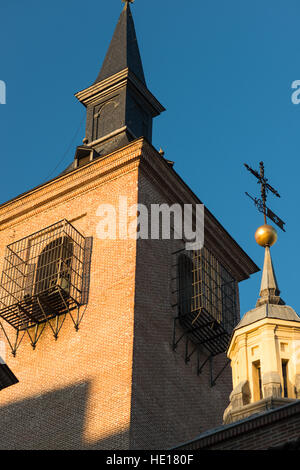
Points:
[[43, 277], [207, 299]]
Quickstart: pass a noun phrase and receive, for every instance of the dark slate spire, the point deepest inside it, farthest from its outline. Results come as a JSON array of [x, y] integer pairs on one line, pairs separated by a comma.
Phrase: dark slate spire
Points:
[[123, 51], [120, 108]]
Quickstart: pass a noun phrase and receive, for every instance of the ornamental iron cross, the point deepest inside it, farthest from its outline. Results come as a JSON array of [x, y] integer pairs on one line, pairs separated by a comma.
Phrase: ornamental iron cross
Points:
[[265, 187]]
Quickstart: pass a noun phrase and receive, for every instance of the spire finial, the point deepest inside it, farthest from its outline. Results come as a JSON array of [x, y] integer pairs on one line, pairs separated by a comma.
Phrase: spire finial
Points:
[[265, 187], [266, 236]]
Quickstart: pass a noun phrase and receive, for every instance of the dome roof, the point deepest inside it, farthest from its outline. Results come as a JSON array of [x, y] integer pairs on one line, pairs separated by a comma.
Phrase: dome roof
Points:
[[280, 312]]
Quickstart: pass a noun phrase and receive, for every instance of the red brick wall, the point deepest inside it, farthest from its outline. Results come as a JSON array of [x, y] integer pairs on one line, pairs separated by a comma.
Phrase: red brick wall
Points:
[[116, 383], [170, 402], [76, 392]]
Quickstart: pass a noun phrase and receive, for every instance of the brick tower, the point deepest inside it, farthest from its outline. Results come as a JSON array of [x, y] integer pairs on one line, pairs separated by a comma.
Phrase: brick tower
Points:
[[117, 343]]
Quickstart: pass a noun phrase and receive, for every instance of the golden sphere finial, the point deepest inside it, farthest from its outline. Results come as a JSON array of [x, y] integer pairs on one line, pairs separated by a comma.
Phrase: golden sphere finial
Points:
[[266, 235]]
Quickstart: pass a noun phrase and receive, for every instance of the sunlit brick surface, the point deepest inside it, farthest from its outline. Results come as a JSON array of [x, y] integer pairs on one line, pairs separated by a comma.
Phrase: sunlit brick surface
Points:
[[116, 383]]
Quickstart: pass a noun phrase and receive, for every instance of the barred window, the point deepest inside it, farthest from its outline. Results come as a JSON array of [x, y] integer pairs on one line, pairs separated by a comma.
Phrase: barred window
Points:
[[42, 276], [207, 296], [53, 267]]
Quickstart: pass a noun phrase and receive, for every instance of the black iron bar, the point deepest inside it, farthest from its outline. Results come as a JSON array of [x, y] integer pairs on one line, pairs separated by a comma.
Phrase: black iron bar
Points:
[[199, 368], [213, 381]]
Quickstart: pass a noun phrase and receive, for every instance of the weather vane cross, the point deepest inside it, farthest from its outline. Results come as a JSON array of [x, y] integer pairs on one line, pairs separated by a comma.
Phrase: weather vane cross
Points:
[[261, 204]]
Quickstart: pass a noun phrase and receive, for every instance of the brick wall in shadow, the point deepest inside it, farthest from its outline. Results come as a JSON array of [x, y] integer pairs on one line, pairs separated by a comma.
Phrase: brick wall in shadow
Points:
[[52, 421]]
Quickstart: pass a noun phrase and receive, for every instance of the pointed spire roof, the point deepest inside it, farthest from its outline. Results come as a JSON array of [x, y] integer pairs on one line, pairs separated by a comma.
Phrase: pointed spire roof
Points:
[[269, 291], [123, 51], [120, 108], [269, 304]]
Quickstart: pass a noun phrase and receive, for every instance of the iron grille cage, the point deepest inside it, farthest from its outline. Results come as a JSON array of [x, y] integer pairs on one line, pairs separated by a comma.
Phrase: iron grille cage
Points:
[[207, 299], [42, 276]]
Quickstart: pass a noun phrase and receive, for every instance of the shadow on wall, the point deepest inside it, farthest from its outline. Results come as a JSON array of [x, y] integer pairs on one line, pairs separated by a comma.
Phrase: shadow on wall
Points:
[[52, 421]]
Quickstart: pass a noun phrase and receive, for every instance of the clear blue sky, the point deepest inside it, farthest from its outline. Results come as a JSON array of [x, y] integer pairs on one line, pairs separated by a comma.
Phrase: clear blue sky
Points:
[[223, 69]]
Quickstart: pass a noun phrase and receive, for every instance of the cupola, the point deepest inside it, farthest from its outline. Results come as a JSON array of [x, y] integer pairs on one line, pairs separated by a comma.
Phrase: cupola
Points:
[[265, 348]]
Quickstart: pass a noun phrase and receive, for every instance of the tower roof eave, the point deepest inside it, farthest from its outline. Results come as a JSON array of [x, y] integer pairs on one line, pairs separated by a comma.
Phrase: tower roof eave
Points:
[[282, 313], [88, 94], [279, 312]]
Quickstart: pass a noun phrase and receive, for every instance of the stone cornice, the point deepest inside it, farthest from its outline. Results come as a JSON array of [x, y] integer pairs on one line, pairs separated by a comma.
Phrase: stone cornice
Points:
[[263, 324], [68, 186]]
